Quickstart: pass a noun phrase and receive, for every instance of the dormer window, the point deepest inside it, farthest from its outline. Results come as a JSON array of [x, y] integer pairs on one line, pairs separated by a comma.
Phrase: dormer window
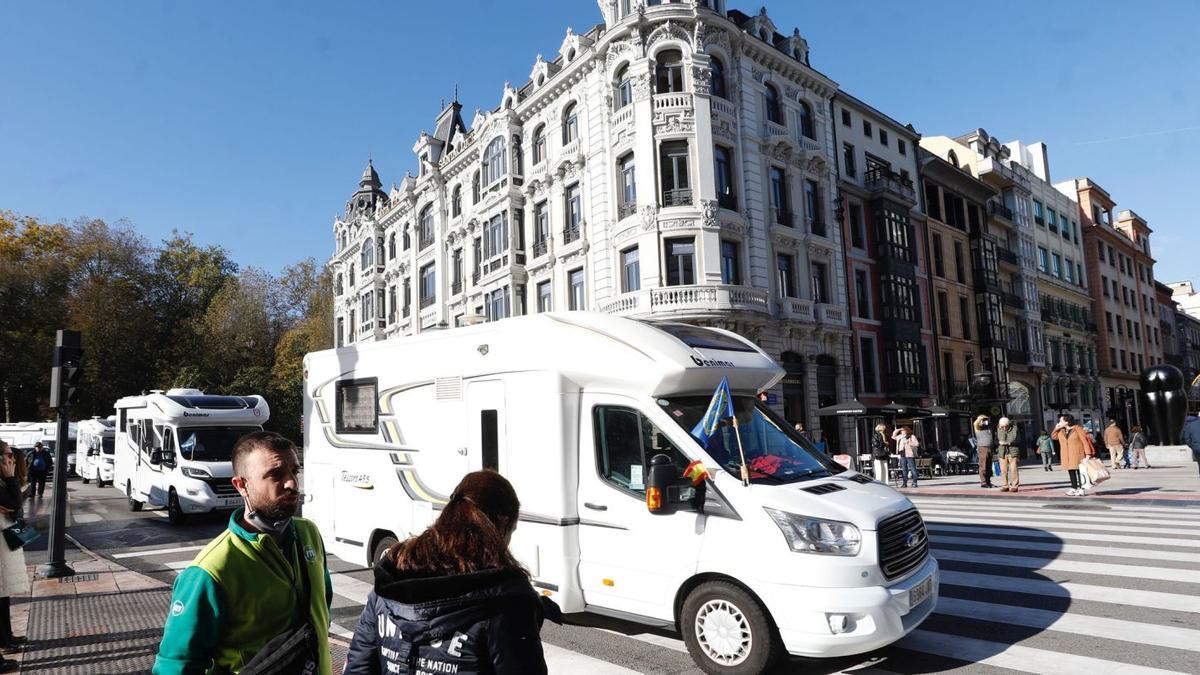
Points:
[[570, 125], [495, 164], [668, 72], [624, 93]]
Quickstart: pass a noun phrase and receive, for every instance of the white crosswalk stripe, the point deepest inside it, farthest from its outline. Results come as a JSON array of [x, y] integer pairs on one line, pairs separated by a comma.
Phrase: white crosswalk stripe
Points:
[[1125, 580]]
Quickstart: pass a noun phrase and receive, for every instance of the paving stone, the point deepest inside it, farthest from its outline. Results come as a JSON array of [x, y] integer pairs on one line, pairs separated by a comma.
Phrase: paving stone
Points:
[[106, 633]]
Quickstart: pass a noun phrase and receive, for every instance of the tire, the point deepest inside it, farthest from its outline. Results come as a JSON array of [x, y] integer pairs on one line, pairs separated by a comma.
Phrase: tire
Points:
[[134, 505], [86, 480], [713, 615], [381, 546], [175, 512]]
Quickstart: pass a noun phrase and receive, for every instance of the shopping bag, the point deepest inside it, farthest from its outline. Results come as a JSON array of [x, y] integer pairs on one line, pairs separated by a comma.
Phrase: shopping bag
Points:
[[996, 468], [20, 533], [1095, 470]]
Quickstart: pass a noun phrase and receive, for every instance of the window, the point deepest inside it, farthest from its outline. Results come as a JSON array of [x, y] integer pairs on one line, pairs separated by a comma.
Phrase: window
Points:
[[541, 228], [1043, 259], [731, 266], [898, 297], [771, 105], [352, 283], [866, 353], [539, 144], [367, 254], [1079, 273], [356, 410], [628, 185], [943, 310], [1069, 270], [959, 272], [676, 186], [779, 197], [428, 285], [845, 117], [543, 297], [425, 228], [1052, 220], [939, 263], [337, 285], [495, 236], [341, 331], [964, 317], [680, 263], [862, 295], [570, 124], [812, 206], [716, 77], [786, 268], [631, 275], [867, 128], [625, 441], [902, 147], [724, 175], [849, 162], [573, 209], [1056, 265], [1038, 213], [392, 246], [883, 137], [933, 201], [497, 304], [624, 88], [668, 72], [857, 234], [456, 270], [495, 165], [820, 282], [1104, 283], [952, 157], [807, 126], [1112, 257], [576, 299]]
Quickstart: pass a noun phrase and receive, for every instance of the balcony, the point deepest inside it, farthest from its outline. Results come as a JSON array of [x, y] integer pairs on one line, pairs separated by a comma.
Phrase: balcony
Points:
[[1012, 300], [623, 116], [1006, 256], [626, 209], [539, 247], [781, 217], [810, 145], [722, 107], [830, 314], [693, 299], [904, 383], [475, 276], [673, 101], [456, 287], [570, 233], [796, 309], [405, 312], [728, 201], [880, 180], [428, 301], [680, 197], [1001, 211], [1018, 356], [773, 130]]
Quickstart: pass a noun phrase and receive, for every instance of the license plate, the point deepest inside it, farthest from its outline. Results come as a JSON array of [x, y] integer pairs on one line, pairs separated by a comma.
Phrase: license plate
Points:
[[918, 593], [230, 503]]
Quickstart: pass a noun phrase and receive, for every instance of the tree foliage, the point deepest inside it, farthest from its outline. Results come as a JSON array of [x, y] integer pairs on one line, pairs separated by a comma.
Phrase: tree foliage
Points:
[[152, 317]]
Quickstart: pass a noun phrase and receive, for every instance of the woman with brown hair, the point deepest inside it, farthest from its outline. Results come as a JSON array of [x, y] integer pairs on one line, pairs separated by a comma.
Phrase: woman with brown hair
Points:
[[453, 598], [14, 577]]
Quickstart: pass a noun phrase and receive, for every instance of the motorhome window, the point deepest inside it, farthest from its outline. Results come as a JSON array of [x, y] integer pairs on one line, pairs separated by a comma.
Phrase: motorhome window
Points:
[[356, 406], [625, 440], [210, 444], [775, 453], [107, 446], [703, 338], [489, 439]]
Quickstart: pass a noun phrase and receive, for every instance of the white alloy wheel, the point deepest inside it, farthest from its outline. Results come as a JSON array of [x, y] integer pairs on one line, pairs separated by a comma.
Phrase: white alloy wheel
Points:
[[724, 632]]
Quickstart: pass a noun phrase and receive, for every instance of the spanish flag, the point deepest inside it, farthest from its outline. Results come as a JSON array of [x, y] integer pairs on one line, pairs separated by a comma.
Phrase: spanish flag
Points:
[[696, 472]]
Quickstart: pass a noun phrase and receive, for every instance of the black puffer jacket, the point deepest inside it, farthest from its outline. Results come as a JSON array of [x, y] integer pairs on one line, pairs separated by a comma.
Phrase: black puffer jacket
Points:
[[484, 622]]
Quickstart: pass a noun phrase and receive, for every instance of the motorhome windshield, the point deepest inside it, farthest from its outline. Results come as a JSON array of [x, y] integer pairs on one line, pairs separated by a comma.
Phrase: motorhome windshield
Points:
[[210, 444], [107, 445], [774, 452]]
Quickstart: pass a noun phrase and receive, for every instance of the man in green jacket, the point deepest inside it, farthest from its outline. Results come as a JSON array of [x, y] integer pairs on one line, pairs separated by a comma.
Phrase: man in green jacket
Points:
[[1009, 453], [245, 587]]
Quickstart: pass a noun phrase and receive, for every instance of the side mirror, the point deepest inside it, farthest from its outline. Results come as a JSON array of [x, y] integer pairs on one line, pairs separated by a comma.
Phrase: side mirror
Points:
[[168, 459], [156, 457], [666, 489]]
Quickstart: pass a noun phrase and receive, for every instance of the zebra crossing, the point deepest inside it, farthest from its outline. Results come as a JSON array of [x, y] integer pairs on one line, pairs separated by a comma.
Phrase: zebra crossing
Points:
[[1027, 585]]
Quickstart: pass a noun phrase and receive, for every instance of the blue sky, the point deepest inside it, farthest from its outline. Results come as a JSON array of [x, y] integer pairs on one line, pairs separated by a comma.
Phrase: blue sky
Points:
[[248, 123]]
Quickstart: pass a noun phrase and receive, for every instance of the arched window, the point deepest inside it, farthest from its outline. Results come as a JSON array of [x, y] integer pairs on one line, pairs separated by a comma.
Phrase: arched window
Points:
[[367, 254], [337, 285], [771, 103], [495, 164], [475, 188], [668, 71], [379, 251], [352, 284], [392, 246], [716, 76], [425, 229], [952, 158], [407, 238], [518, 156], [807, 128], [624, 94], [570, 124], [539, 145], [456, 201]]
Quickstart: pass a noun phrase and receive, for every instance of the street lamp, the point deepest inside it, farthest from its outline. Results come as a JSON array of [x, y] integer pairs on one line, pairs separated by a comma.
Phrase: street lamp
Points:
[[981, 379]]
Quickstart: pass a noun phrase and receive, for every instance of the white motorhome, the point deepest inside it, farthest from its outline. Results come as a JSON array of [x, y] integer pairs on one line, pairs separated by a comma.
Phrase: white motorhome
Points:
[[174, 449], [96, 445], [576, 409], [23, 435]]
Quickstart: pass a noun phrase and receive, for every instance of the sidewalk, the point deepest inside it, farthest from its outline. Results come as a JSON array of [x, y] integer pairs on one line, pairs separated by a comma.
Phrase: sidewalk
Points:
[[105, 619], [1175, 485]]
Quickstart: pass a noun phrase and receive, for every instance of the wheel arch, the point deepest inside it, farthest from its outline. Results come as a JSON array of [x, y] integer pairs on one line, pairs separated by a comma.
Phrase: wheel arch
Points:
[[704, 577]]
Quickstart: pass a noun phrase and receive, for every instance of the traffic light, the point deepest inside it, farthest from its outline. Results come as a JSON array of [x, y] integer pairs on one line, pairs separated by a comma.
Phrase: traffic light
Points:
[[67, 371]]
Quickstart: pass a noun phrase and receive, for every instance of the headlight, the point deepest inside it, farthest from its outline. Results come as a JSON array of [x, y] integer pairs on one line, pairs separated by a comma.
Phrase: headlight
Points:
[[190, 472], [814, 535]]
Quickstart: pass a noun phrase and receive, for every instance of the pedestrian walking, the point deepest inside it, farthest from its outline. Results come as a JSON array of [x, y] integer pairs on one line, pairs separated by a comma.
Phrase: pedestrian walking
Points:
[[264, 576], [908, 447], [985, 443], [804, 433], [1045, 448], [880, 452], [1074, 446], [1009, 451], [1114, 440], [1191, 436], [453, 598], [14, 577], [41, 463], [1137, 448]]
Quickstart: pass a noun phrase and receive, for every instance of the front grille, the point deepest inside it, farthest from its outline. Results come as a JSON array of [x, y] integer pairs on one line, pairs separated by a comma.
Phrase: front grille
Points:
[[824, 488], [903, 543], [222, 487]]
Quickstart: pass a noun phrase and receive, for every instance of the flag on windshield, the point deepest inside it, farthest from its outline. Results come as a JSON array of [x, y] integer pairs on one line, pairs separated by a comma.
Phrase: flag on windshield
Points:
[[720, 406]]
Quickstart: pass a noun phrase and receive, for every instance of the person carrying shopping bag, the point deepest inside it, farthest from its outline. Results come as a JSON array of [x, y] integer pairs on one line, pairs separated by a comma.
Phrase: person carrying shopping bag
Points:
[[880, 452], [1074, 446], [1009, 453]]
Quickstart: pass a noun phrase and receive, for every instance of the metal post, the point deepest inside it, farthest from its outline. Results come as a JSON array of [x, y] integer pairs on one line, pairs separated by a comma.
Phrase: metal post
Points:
[[56, 564]]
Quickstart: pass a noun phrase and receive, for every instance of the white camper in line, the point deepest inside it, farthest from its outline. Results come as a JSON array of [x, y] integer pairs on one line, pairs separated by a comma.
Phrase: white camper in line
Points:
[[23, 435], [580, 410], [95, 445], [173, 450]]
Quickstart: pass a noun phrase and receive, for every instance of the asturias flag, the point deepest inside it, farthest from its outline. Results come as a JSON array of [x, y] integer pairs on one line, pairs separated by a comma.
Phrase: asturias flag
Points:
[[720, 406]]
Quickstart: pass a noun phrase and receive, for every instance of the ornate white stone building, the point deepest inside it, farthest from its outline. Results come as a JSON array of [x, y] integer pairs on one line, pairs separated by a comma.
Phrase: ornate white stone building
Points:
[[673, 163]]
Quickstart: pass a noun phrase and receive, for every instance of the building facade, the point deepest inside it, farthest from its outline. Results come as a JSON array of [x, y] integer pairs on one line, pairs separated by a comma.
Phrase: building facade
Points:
[[1186, 297], [674, 163], [886, 269]]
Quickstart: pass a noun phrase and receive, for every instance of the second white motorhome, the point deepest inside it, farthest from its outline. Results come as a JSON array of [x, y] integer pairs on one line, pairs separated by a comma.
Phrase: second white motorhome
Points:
[[174, 449], [95, 448], [23, 436], [591, 418]]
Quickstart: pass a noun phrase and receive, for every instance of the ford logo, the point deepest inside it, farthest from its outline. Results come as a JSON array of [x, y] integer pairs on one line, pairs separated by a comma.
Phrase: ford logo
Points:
[[911, 540]]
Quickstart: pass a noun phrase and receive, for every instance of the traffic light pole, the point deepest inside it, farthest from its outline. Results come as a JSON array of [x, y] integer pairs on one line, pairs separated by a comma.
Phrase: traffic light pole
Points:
[[56, 565]]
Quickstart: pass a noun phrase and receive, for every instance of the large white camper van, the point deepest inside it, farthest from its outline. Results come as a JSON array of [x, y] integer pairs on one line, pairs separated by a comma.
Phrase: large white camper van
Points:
[[95, 448], [174, 449], [23, 435], [580, 411]]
